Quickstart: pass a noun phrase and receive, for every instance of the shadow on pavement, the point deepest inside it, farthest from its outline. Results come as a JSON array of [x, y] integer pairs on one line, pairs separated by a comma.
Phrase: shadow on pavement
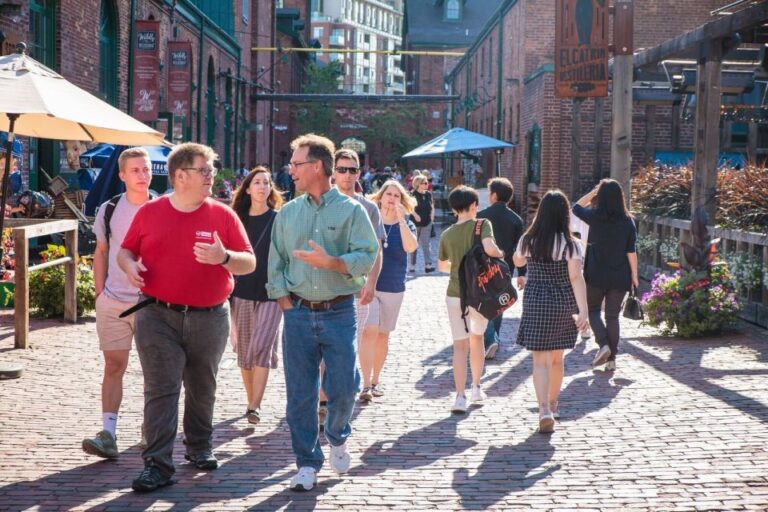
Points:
[[504, 470], [411, 451], [684, 365]]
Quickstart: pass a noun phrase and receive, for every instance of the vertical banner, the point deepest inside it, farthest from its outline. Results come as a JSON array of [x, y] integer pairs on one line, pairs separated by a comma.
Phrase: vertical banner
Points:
[[146, 70], [581, 48], [178, 90]]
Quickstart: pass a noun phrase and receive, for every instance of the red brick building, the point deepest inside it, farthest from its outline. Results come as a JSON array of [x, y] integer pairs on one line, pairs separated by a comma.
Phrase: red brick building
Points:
[[88, 42], [506, 84]]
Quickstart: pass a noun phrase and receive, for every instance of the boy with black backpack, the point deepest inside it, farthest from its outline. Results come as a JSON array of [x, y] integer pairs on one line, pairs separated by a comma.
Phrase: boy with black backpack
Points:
[[467, 325], [115, 294]]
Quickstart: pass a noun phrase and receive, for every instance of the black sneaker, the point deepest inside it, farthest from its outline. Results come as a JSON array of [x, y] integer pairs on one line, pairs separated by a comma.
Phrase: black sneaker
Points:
[[203, 460], [150, 480]]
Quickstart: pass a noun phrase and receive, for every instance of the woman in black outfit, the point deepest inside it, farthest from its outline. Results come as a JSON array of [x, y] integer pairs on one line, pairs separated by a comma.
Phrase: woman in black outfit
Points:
[[610, 269], [423, 217]]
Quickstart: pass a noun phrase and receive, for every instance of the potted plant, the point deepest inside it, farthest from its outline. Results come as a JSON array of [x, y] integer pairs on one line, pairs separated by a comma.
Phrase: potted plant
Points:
[[699, 299]]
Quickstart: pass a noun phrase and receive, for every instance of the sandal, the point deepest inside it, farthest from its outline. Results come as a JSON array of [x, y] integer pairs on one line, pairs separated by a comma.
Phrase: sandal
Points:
[[253, 415]]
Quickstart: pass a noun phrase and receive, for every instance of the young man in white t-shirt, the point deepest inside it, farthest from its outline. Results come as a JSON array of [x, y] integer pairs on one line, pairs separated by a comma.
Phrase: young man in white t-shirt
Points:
[[115, 294]]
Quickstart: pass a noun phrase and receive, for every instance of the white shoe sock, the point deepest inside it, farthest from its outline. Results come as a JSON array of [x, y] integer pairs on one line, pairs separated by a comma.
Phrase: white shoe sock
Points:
[[109, 422]]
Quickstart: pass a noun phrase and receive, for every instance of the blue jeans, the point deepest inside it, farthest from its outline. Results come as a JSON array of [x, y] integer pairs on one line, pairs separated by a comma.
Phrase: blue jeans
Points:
[[491, 335], [309, 337], [176, 348]]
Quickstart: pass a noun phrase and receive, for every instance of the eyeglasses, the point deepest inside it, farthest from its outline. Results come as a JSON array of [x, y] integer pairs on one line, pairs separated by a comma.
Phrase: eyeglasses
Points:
[[345, 170], [293, 165], [205, 172]]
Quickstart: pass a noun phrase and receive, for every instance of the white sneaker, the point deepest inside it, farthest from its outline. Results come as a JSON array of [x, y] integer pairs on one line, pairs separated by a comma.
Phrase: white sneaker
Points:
[[602, 356], [460, 404], [610, 366], [304, 480], [340, 459], [477, 395]]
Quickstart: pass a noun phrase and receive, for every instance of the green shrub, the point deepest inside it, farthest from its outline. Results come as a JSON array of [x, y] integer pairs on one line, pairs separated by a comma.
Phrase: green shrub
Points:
[[46, 287]]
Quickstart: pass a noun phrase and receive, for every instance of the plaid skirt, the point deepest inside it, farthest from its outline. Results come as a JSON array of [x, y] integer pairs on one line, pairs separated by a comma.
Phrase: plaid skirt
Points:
[[548, 305], [256, 327]]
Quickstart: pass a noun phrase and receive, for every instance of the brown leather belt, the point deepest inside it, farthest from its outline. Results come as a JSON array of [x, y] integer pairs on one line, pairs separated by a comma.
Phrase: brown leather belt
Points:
[[319, 304]]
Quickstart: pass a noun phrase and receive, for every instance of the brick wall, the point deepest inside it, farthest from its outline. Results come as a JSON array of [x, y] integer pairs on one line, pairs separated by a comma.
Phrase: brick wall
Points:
[[527, 93], [77, 56]]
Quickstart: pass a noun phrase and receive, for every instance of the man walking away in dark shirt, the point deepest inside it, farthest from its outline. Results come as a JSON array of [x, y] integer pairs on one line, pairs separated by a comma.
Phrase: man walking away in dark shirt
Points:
[[507, 228]]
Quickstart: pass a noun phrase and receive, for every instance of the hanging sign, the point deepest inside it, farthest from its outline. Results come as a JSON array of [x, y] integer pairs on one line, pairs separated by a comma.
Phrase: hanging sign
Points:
[[146, 70], [178, 90], [581, 48]]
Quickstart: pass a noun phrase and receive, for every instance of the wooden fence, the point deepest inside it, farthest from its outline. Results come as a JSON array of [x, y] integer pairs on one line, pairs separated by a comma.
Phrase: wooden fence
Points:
[[658, 237]]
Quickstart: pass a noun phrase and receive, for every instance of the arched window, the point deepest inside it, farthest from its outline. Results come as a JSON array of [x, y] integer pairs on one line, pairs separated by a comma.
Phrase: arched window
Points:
[[228, 113], [453, 10], [210, 94], [108, 52]]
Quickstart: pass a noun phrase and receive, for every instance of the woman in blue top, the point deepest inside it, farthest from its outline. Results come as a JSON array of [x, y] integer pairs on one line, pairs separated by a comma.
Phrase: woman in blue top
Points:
[[399, 240]]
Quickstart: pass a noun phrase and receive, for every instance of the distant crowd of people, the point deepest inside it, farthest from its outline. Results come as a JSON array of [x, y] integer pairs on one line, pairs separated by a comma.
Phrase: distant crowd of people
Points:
[[309, 254]]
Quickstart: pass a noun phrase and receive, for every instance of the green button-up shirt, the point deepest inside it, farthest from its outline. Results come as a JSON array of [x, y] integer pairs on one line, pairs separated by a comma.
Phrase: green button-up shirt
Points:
[[341, 227]]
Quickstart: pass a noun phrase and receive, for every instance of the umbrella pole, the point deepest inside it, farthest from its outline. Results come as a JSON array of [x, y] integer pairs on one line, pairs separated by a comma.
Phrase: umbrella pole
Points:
[[8, 157], [498, 162]]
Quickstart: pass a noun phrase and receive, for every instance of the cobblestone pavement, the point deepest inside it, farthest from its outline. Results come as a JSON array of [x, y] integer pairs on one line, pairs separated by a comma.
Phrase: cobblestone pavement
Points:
[[680, 426]]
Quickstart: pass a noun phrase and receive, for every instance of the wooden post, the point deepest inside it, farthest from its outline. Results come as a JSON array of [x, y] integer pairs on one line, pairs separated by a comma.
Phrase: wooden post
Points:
[[623, 68], [70, 277], [21, 294], [597, 165], [576, 148], [707, 134]]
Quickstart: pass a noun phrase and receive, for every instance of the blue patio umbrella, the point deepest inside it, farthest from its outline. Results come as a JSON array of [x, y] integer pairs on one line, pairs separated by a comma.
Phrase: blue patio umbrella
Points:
[[456, 139], [96, 157], [16, 149], [108, 184]]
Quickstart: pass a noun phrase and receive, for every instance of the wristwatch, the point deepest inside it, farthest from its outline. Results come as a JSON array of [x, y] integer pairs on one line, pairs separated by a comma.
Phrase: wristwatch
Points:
[[226, 257]]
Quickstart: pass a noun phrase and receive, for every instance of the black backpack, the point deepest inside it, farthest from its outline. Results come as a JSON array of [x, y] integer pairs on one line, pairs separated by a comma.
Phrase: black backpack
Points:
[[485, 283], [109, 210]]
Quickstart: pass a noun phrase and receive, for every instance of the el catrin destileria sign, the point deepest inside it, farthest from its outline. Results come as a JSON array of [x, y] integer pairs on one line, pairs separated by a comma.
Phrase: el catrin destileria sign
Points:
[[581, 48]]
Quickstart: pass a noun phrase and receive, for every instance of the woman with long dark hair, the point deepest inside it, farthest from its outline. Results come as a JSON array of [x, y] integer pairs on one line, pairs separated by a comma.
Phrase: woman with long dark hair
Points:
[[610, 268], [256, 318], [554, 302]]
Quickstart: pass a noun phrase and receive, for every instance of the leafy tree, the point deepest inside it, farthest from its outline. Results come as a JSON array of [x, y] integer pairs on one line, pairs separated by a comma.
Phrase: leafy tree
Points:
[[317, 117]]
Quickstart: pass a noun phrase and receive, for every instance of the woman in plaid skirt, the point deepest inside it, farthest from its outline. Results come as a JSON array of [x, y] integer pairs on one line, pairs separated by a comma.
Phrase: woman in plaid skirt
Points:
[[256, 318], [554, 302]]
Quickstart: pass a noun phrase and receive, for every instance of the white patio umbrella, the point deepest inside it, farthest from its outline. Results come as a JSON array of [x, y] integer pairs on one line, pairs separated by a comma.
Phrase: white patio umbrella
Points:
[[38, 102]]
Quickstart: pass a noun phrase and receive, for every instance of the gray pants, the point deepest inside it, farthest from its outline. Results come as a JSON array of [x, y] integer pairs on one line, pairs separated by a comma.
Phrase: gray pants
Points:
[[176, 347], [423, 236]]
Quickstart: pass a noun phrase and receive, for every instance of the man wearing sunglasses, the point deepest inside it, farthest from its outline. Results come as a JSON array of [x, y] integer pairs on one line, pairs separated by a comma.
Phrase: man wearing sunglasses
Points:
[[322, 247], [346, 172], [181, 251]]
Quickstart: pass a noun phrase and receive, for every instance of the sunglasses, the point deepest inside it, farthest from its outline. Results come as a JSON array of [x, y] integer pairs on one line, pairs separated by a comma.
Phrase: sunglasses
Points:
[[345, 170]]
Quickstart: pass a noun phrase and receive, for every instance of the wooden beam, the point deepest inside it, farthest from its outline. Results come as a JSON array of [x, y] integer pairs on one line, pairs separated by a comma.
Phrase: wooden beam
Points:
[[621, 141], [21, 292], [70, 277], [34, 228], [707, 133], [717, 29]]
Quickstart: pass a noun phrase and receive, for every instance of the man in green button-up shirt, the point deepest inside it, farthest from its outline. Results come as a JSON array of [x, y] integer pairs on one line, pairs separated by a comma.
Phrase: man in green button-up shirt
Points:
[[323, 245]]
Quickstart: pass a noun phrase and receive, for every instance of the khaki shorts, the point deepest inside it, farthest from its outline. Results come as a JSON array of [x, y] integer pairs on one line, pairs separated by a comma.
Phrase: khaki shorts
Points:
[[114, 333], [384, 310], [475, 321]]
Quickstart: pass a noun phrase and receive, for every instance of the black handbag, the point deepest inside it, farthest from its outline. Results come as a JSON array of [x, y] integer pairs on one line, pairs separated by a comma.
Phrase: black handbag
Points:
[[632, 307]]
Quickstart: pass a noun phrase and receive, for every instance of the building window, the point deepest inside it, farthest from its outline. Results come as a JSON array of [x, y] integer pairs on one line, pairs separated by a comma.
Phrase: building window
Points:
[[210, 93], [317, 32], [108, 52], [453, 10], [246, 10], [534, 155], [317, 6], [220, 12], [42, 31]]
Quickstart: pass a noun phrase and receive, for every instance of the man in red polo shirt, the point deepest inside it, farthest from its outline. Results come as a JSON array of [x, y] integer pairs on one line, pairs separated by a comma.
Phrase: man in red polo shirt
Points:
[[181, 251]]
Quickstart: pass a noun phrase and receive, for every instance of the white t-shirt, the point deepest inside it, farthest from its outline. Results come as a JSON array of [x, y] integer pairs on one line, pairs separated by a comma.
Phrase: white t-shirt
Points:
[[559, 251], [117, 286]]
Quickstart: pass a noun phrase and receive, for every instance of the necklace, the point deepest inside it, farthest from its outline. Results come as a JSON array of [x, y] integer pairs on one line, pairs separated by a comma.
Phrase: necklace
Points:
[[386, 235]]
